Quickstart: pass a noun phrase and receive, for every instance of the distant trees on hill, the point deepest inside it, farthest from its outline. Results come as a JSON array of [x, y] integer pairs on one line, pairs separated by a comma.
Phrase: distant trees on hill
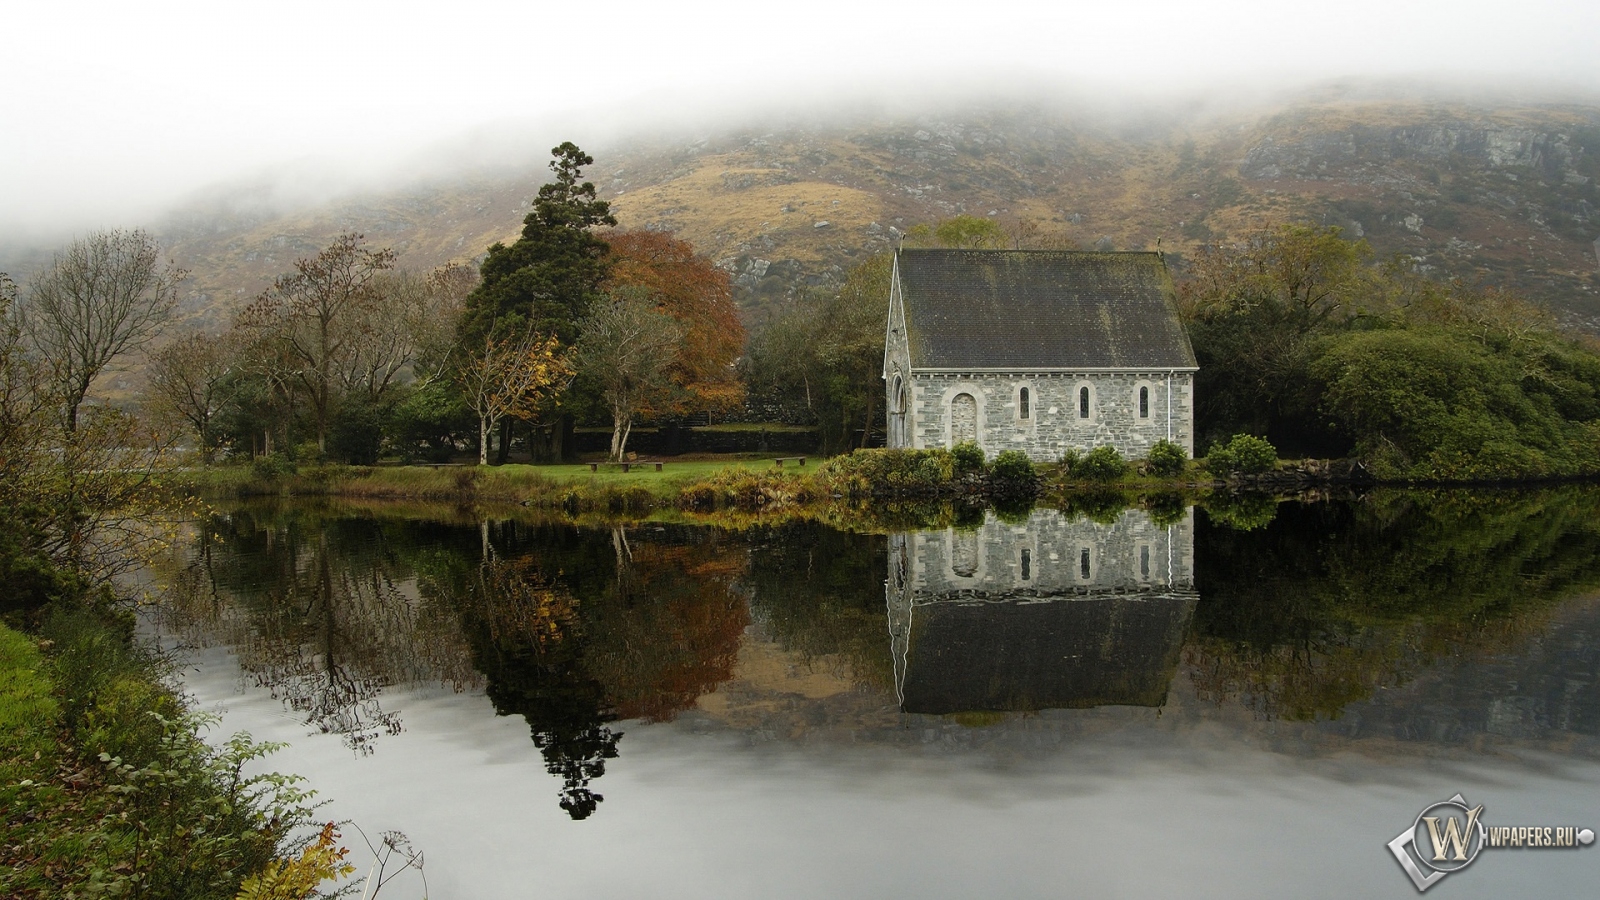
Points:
[[348, 357]]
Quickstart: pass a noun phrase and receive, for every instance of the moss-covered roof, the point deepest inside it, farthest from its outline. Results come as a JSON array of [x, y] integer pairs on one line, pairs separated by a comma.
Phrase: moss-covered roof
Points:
[[1041, 309]]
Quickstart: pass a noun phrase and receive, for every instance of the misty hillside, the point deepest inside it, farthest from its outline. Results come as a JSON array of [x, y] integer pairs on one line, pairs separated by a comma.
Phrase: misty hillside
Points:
[[1507, 196]]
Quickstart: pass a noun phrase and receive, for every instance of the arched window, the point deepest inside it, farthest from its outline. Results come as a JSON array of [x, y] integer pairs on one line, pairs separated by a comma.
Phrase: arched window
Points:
[[1144, 403], [1083, 564], [963, 419], [1027, 564], [1083, 402], [1022, 403], [964, 554], [1144, 561]]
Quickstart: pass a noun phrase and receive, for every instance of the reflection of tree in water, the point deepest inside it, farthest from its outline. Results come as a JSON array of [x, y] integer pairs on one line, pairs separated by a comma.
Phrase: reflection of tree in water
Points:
[[325, 621], [659, 625], [1333, 601], [529, 644]]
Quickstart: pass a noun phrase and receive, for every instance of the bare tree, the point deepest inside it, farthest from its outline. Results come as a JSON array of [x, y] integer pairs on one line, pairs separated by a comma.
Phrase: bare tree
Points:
[[434, 326], [628, 346], [319, 313], [22, 407], [194, 378], [103, 296]]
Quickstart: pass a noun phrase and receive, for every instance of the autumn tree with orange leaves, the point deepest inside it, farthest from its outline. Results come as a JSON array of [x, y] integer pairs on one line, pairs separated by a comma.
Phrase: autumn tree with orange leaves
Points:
[[688, 287]]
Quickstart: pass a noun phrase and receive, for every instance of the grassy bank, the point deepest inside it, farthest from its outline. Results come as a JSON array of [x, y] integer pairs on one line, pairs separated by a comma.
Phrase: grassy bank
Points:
[[106, 789]]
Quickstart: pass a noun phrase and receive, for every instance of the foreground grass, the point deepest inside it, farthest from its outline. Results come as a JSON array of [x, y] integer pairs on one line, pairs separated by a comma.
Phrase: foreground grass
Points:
[[106, 788]]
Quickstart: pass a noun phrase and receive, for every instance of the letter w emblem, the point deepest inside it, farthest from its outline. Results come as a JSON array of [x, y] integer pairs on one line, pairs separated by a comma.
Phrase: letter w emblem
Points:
[[1455, 837]]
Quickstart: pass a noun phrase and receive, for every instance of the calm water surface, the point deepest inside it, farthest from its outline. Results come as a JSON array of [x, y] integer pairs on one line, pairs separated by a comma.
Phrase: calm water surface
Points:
[[1246, 701]]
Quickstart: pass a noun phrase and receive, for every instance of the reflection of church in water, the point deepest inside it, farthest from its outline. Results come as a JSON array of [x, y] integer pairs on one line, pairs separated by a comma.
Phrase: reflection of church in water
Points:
[[1050, 613]]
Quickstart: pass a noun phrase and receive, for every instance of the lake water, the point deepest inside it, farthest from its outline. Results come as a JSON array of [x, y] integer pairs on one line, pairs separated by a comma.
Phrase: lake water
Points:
[[1251, 700]]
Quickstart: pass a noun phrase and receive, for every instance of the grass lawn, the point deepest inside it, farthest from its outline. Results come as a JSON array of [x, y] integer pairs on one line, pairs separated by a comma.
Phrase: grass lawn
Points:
[[645, 473], [510, 482]]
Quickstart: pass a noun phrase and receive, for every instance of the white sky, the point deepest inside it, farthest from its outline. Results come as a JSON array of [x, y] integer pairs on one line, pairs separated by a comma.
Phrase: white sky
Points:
[[111, 110]]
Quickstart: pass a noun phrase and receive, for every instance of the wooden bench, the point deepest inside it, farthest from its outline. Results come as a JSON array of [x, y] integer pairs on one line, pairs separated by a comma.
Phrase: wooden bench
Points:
[[783, 459], [625, 466]]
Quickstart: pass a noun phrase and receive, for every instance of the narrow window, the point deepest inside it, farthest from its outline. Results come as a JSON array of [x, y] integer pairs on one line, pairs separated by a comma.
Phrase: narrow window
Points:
[[1024, 402], [1027, 565], [1144, 403], [1083, 564], [1083, 403], [1144, 562]]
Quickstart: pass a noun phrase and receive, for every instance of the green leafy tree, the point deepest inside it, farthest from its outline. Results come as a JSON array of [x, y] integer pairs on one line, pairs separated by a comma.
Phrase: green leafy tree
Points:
[[826, 356], [1254, 311]]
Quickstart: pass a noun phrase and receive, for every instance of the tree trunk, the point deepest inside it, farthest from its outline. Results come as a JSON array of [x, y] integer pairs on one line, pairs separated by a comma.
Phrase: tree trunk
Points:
[[621, 424], [564, 444], [483, 440], [504, 450], [866, 424]]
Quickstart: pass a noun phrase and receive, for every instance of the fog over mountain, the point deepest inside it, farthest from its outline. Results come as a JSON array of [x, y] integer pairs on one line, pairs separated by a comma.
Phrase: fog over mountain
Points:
[[114, 113]]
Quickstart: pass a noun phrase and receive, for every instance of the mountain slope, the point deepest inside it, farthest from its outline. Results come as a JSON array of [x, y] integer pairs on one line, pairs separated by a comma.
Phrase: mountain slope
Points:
[[1507, 196]]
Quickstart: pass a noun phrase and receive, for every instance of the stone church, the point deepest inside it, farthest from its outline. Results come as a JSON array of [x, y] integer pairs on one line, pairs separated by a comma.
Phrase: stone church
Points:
[[1036, 350]]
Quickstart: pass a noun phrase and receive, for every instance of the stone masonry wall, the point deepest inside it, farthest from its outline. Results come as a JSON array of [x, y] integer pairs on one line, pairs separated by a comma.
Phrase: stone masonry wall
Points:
[[1054, 425], [1133, 553]]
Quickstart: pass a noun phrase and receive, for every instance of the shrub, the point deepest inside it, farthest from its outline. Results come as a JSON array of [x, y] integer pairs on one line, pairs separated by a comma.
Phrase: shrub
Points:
[[1166, 459], [272, 466], [1013, 466], [356, 434], [1244, 454], [864, 471], [968, 457], [1103, 463]]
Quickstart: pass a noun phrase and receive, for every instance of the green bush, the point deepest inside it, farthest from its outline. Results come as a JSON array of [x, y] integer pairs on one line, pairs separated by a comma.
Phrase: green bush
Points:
[[1166, 459], [151, 810], [355, 435], [272, 466], [968, 457], [868, 470], [1103, 463], [1013, 466], [1244, 454]]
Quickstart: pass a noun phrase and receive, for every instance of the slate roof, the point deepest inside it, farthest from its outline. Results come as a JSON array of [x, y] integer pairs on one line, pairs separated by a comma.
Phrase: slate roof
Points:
[[1055, 654], [1041, 309]]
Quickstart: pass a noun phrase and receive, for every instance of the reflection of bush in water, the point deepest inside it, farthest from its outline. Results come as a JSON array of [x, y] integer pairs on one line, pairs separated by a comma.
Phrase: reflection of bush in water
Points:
[[1242, 512], [1101, 507], [1333, 600], [1165, 508], [1012, 509]]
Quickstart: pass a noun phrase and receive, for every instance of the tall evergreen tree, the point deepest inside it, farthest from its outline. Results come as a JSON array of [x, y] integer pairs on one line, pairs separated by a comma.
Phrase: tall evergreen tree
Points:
[[547, 279]]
